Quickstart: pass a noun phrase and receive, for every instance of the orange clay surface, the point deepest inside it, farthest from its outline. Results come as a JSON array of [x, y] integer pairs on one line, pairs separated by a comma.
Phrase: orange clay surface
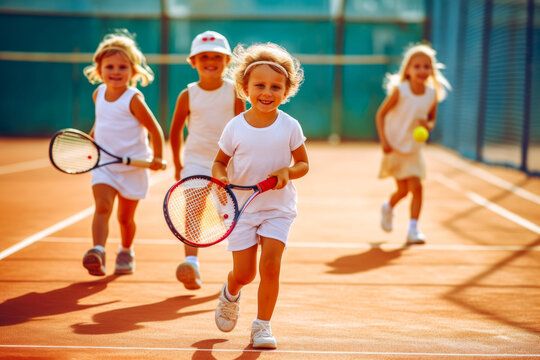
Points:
[[348, 289]]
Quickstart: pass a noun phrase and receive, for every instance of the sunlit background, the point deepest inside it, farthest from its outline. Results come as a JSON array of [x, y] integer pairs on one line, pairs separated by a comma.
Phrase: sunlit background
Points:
[[491, 50]]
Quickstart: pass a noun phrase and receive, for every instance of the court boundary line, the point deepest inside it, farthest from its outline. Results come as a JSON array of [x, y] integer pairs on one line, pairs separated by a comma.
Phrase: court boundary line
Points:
[[65, 223], [484, 175], [24, 166], [324, 245], [482, 201], [127, 348]]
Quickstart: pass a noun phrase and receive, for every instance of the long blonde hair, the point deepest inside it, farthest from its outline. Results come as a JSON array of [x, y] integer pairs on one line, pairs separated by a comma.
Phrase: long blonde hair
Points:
[[121, 41], [436, 80], [271, 52]]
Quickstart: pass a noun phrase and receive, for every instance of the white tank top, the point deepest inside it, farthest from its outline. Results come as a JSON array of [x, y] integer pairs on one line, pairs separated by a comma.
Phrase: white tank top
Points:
[[400, 122], [117, 130], [209, 112]]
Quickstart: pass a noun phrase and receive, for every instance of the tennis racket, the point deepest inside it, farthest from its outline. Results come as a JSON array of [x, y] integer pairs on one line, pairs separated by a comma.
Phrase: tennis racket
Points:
[[74, 152], [202, 211]]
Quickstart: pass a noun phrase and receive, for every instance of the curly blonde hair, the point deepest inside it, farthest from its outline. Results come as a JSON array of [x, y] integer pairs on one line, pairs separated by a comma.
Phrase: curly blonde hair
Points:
[[243, 57], [121, 41], [437, 80]]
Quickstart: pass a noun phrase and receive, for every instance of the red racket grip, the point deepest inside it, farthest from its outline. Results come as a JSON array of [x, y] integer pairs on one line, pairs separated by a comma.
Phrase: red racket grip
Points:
[[267, 184]]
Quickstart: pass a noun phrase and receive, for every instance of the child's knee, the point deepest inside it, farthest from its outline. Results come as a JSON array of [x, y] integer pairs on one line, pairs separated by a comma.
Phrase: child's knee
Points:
[[270, 268], [244, 278]]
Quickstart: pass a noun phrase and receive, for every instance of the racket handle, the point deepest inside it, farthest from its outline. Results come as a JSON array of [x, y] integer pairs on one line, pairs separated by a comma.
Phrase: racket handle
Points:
[[143, 163], [267, 184]]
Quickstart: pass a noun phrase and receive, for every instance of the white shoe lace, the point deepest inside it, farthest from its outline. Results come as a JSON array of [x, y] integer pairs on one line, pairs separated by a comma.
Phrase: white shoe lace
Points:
[[262, 331], [228, 310]]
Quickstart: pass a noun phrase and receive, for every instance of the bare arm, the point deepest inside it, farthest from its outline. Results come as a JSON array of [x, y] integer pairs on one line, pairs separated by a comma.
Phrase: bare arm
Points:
[[176, 134], [388, 103], [431, 117], [219, 168], [94, 96], [142, 112], [296, 171]]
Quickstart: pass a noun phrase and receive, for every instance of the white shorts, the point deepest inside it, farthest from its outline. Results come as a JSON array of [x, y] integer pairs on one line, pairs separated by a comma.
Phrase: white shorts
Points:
[[131, 184], [191, 169], [251, 226]]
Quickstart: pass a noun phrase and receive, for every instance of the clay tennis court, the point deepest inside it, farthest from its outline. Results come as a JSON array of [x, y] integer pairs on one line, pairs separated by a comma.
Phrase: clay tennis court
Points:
[[348, 290]]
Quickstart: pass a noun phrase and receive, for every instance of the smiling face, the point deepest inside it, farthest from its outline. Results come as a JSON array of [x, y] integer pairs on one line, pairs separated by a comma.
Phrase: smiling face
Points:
[[419, 68], [210, 64], [266, 89], [116, 70]]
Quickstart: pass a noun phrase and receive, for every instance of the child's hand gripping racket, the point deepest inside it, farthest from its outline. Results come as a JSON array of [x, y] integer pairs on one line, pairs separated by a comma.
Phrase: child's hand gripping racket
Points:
[[202, 211], [74, 152]]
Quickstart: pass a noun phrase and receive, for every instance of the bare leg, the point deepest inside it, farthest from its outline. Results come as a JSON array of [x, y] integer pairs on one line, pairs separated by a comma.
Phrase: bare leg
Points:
[[244, 269], [190, 250], [401, 191], [269, 269], [104, 196], [126, 219], [415, 187]]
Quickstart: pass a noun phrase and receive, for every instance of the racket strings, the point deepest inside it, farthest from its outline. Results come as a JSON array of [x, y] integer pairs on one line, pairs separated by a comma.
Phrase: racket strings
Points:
[[73, 153], [201, 211]]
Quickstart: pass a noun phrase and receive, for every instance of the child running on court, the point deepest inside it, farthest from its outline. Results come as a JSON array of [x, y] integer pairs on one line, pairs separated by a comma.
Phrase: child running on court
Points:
[[122, 124], [260, 143], [413, 95], [205, 107]]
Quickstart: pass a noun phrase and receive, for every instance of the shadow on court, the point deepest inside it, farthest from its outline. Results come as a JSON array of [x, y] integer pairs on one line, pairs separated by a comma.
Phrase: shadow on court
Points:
[[60, 301], [127, 319], [205, 347], [500, 302], [372, 259]]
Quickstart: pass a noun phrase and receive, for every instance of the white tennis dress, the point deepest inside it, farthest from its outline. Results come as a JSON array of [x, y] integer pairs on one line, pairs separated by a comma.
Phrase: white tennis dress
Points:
[[406, 160], [209, 112], [119, 132]]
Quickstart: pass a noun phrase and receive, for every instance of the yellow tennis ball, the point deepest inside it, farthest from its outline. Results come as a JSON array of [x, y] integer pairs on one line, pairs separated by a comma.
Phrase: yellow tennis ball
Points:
[[420, 134]]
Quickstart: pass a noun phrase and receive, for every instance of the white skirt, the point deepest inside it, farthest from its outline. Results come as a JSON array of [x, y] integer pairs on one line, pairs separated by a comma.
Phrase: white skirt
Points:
[[402, 166], [131, 184]]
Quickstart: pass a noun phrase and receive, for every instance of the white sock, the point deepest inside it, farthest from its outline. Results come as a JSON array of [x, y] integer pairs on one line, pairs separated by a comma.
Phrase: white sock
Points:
[[231, 298], [413, 224], [128, 250], [387, 206], [192, 260], [100, 248], [262, 322]]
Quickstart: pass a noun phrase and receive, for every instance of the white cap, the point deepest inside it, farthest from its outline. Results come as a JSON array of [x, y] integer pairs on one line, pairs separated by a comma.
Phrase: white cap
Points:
[[210, 41]]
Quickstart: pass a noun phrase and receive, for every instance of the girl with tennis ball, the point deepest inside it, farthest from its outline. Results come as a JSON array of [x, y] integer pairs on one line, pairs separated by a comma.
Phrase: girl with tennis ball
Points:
[[123, 124], [413, 94], [259, 143]]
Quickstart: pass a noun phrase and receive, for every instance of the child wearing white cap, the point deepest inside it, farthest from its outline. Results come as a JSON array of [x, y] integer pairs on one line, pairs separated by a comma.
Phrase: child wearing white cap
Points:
[[204, 107]]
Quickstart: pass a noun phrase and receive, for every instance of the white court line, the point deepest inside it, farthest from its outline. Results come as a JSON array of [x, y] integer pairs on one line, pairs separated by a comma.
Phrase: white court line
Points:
[[263, 351], [67, 222], [51, 229], [474, 197], [323, 245], [24, 166], [490, 178]]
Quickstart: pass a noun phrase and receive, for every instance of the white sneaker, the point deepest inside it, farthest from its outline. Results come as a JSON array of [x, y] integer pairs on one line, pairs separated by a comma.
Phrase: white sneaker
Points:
[[386, 218], [188, 274], [125, 263], [261, 336], [415, 237], [227, 312]]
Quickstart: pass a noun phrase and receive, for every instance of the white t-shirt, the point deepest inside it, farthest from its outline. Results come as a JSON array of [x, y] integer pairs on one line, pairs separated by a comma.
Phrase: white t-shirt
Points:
[[257, 152], [401, 120]]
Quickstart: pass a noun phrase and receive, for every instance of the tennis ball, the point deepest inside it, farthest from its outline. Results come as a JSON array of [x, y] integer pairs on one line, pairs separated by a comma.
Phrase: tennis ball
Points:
[[420, 134]]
